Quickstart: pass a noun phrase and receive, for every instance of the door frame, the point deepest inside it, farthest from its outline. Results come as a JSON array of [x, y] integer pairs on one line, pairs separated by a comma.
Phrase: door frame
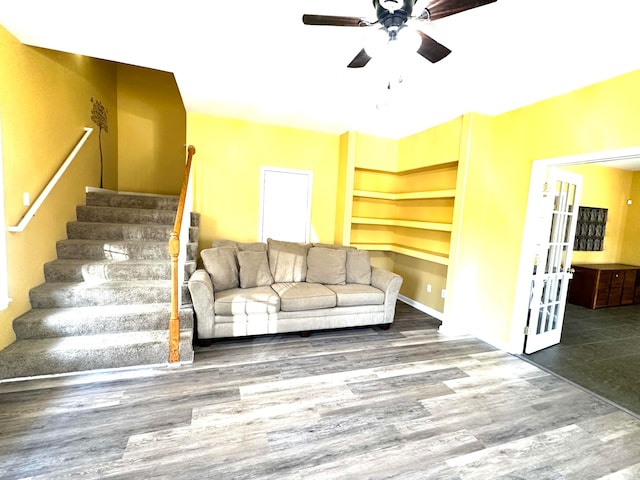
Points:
[[523, 285]]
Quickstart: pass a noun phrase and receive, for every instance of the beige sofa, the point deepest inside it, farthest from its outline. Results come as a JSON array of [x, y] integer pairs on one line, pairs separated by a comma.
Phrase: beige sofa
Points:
[[275, 287]]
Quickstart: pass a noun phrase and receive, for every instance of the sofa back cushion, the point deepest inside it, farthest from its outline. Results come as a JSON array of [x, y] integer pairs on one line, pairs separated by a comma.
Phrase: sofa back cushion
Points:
[[327, 266], [334, 246], [287, 260], [254, 269], [358, 267], [221, 264], [241, 246]]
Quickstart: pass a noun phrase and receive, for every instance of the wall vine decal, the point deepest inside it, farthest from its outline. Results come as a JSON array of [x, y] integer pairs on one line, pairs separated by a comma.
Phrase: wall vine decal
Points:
[[99, 117]]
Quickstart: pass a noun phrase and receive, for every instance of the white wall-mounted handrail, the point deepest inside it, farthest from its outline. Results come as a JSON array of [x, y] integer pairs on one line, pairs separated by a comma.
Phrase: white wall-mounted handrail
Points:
[[52, 183]]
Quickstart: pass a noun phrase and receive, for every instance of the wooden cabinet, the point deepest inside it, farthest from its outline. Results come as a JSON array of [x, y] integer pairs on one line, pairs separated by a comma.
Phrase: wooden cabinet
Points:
[[604, 285]]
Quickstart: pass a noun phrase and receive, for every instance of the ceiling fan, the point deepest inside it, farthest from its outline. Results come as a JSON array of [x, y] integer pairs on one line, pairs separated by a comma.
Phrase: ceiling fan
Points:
[[392, 17]]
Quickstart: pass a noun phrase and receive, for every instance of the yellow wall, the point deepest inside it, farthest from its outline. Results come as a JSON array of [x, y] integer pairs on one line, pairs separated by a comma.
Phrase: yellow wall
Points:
[[630, 243], [605, 187], [226, 178], [597, 118], [471, 220], [433, 146], [375, 152], [152, 131], [45, 102]]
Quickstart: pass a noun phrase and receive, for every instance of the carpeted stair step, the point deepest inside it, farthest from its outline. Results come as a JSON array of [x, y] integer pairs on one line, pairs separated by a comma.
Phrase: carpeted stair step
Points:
[[87, 213], [80, 321], [79, 270], [71, 294], [118, 249], [104, 198], [195, 219], [117, 231], [123, 231], [93, 352]]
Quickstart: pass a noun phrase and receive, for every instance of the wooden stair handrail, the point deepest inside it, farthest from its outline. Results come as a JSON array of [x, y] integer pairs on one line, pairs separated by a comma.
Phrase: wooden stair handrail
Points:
[[174, 251]]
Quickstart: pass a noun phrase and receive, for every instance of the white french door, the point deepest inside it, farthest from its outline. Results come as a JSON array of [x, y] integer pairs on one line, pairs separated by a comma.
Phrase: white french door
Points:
[[557, 217]]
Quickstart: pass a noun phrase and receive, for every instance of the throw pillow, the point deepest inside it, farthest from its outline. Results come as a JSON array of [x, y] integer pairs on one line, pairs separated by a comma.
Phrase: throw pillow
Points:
[[254, 269], [221, 264], [287, 260], [327, 266], [252, 247], [223, 243], [358, 267]]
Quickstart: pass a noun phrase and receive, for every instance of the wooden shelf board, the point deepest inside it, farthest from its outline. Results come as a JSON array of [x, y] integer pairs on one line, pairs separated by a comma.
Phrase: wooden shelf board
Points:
[[434, 257], [406, 195], [391, 222], [427, 168]]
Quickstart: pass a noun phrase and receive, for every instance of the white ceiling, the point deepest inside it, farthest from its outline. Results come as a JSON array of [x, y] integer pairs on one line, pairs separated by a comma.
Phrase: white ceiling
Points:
[[254, 59]]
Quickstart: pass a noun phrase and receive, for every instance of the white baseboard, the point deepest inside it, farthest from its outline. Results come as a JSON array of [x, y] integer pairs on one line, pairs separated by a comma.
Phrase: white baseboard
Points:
[[423, 308]]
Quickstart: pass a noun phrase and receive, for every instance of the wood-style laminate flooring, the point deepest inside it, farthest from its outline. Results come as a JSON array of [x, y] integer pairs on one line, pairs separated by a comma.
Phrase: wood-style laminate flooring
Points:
[[360, 403], [599, 350]]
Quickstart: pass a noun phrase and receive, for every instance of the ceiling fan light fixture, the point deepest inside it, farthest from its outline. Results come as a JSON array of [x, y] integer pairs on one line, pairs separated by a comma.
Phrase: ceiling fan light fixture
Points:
[[377, 42], [408, 40]]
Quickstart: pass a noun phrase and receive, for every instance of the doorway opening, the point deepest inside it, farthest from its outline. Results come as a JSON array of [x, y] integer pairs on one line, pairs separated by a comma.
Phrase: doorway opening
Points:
[[625, 158]]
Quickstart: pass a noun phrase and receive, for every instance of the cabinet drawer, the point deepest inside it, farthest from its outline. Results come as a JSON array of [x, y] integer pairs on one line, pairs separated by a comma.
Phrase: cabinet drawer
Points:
[[627, 296], [614, 296], [617, 279], [602, 298], [630, 279], [604, 280]]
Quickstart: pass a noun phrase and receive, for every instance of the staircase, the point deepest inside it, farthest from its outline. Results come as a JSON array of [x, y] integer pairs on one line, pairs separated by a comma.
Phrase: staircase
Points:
[[106, 299]]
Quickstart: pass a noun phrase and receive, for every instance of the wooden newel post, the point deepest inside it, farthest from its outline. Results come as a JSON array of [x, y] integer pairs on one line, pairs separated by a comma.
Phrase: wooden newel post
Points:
[[174, 322], [174, 252]]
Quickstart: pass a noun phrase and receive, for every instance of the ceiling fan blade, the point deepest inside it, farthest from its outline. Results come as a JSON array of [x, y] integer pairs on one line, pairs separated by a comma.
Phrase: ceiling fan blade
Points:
[[360, 60], [444, 8], [432, 50], [330, 20]]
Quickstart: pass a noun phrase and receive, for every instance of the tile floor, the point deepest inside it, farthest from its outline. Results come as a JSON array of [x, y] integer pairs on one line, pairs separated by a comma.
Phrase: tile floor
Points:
[[599, 350]]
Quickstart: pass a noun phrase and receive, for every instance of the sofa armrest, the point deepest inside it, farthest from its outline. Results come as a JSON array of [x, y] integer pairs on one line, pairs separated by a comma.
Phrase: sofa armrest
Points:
[[389, 283], [201, 290]]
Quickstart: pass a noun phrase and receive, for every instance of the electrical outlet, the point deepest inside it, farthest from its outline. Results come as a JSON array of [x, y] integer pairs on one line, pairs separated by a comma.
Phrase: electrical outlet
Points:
[[428, 288], [26, 201], [443, 294]]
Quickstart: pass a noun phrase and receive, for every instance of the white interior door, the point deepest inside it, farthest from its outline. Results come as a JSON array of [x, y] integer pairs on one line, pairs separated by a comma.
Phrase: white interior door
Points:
[[285, 212], [552, 270]]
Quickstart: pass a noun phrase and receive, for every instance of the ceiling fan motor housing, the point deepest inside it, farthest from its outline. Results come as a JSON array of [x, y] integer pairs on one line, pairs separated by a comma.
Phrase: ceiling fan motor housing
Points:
[[393, 13]]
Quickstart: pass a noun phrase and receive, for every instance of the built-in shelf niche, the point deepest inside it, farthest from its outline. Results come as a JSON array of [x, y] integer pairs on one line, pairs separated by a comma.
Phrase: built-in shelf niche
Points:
[[410, 213]]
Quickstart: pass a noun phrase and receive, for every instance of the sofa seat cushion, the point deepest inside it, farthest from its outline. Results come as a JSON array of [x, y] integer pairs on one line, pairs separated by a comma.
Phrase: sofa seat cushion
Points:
[[304, 296], [355, 294], [238, 301]]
